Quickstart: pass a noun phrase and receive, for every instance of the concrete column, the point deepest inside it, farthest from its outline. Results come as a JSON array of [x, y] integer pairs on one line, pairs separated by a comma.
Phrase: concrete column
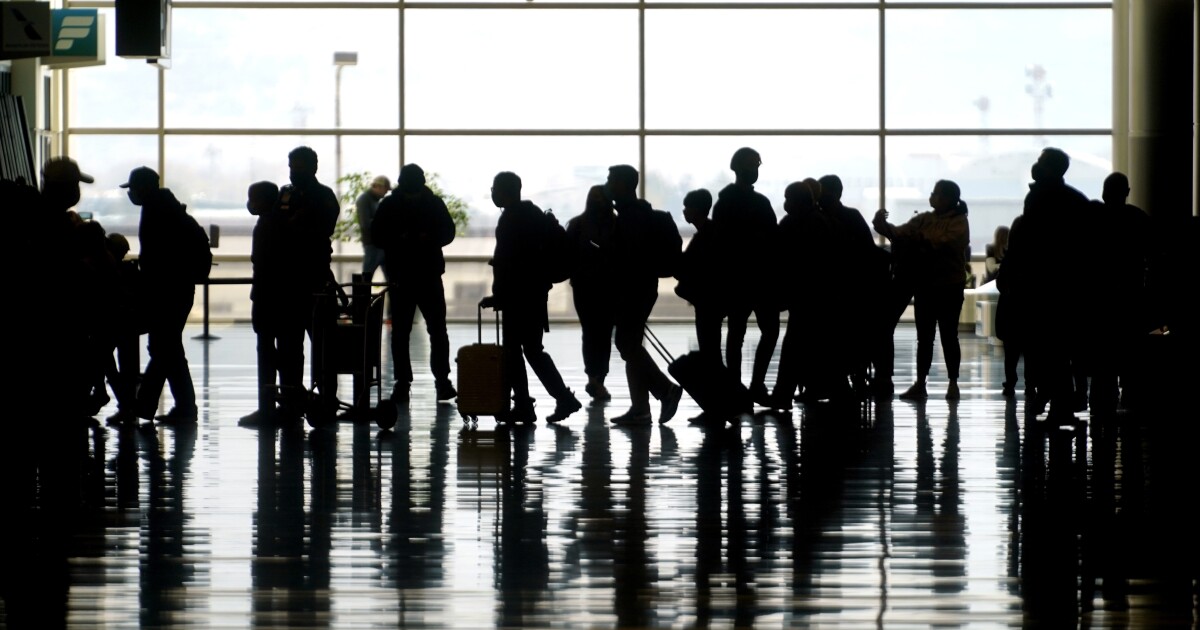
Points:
[[1161, 106]]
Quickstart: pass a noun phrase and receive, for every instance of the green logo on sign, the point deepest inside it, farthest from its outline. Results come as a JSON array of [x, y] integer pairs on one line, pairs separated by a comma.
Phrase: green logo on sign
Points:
[[75, 32]]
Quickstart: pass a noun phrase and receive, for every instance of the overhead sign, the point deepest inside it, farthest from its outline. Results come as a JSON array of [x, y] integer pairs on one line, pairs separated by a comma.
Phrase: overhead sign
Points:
[[78, 38], [24, 29]]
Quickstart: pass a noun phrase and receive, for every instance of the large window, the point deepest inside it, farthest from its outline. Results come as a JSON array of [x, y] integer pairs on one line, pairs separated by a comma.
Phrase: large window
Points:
[[891, 96]]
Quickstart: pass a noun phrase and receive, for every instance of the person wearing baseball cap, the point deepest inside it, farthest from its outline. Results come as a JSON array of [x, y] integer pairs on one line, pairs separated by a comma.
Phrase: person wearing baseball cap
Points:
[[63, 342], [60, 183], [142, 178], [172, 245]]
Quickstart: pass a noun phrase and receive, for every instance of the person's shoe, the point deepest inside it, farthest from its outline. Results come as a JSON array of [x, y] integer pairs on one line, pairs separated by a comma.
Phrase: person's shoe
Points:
[[522, 413], [400, 392], [565, 406], [597, 391], [883, 388], [670, 403], [254, 420], [952, 391], [1037, 403], [780, 402], [1008, 391], [1063, 419], [179, 415], [445, 391], [121, 418], [1081, 401], [916, 392], [633, 418], [97, 402], [760, 395]]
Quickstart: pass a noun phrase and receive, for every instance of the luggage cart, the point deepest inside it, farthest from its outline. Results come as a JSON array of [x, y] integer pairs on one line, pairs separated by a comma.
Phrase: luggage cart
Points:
[[348, 339]]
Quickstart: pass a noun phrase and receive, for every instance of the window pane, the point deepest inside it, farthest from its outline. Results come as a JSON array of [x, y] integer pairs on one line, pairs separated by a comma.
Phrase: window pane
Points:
[[999, 68], [211, 173], [556, 172], [246, 68], [121, 93], [521, 69], [109, 159], [992, 171], [760, 69], [676, 165]]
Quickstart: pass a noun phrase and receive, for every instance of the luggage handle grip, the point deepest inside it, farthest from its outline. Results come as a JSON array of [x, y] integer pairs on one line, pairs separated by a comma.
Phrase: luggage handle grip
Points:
[[479, 322], [658, 345]]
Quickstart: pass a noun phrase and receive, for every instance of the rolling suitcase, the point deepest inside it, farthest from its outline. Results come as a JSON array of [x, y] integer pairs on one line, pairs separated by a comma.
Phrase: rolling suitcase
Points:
[[482, 388], [708, 382]]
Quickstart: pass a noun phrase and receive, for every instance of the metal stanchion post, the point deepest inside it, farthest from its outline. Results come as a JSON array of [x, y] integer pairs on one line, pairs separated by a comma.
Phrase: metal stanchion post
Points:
[[205, 336]]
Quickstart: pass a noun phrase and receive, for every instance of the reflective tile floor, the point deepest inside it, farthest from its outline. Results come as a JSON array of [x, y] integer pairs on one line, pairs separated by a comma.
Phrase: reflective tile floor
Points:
[[898, 515]]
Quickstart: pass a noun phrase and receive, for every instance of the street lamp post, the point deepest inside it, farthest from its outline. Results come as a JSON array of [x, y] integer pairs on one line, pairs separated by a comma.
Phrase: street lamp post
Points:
[[340, 60]]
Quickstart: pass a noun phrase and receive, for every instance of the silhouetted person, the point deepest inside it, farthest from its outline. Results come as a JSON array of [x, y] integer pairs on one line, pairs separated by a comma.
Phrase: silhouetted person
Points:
[[800, 233], [700, 275], [847, 255], [412, 225], [278, 327], [994, 253], [123, 371], [365, 206], [748, 230], [591, 235], [1009, 332], [1042, 255], [938, 242], [309, 210], [647, 244], [1120, 234], [519, 287], [61, 308], [101, 290], [169, 239]]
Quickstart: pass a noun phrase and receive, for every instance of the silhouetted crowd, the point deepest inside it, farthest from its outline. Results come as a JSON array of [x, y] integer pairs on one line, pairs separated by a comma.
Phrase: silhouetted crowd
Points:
[[1082, 285]]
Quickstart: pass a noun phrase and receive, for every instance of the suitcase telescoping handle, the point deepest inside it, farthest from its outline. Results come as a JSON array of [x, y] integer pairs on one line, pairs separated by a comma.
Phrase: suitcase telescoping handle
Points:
[[480, 323], [658, 345]]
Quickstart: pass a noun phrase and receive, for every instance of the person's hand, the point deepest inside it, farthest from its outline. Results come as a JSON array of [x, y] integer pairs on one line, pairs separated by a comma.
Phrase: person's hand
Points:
[[881, 216], [489, 302]]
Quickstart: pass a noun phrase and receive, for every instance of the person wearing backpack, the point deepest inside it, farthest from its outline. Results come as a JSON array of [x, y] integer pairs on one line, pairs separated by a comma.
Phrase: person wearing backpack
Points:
[[174, 256], [524, 267], [647, 247], [412, 225]]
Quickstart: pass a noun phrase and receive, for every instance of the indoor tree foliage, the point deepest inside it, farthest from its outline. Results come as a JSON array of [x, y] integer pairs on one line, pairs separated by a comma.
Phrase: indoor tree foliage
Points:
[[354, 184]]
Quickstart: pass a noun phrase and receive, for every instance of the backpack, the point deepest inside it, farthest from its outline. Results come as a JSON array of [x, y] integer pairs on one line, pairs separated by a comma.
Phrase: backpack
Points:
[[556, 249], [198, 254], [666, 243]]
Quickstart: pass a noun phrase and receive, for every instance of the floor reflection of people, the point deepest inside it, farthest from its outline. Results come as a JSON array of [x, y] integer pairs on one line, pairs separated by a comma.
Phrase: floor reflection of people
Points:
[[323, 488], [414, 547], [1008, 467], [949, 522], [591, 547], [824, 447], [522, 561], [1104, 556], [633, 569], [1051, 504], [277, 570], [166, 567], [708, 522], [44, 522]]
